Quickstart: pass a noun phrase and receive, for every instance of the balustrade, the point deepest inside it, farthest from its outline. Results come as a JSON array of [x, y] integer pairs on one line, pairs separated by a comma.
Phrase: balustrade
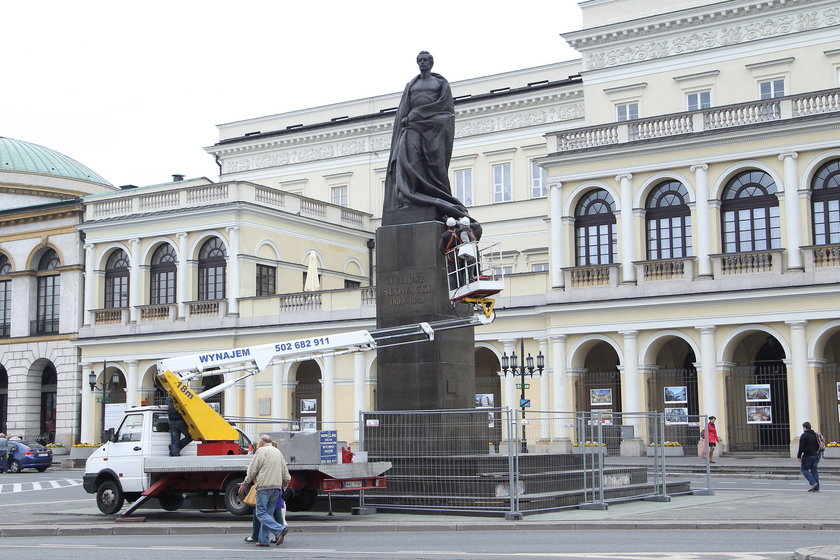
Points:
[[826, 255], [300, 301], [715, 118], [590, 276]]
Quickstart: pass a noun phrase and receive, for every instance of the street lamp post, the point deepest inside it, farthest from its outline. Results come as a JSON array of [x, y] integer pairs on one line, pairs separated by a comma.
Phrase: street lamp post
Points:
[[511, 363], [104, 387]]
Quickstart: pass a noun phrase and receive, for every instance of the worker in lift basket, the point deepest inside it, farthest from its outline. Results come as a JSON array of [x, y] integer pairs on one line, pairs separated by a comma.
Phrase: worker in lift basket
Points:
[[177, 428]]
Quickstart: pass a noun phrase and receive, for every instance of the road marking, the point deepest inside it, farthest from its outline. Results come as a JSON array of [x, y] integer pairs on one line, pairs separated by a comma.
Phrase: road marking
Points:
[[332, 553], [51, 502], [39, 485]]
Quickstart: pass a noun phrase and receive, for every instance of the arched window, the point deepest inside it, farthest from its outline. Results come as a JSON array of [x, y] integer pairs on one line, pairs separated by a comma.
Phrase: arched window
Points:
[[668, 222], [825, 203], [116, 280], [595, 236], [750, 214], [5, 297], [164, 275], [49, 294], [211, 270]]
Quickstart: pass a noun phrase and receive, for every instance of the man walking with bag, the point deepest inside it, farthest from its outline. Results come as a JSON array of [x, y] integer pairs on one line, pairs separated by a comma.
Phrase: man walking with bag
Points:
[[269, 473], [809, 456]]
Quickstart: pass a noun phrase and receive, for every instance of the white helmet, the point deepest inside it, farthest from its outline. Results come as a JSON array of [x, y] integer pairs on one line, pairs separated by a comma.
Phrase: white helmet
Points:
[[451, 222], [465, 221]]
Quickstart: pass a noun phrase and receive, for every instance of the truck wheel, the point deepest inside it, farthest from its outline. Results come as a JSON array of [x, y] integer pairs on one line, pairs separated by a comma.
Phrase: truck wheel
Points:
[[14, 467], [303, 501], [109, 497], [233, 502], [171, 501]]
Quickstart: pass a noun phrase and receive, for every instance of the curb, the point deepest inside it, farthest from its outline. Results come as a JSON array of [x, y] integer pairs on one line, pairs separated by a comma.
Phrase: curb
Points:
[[811, 553], [818, 553]]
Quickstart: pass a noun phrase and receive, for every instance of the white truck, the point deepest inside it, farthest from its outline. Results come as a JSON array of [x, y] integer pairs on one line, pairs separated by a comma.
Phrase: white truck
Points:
[[135, 465]]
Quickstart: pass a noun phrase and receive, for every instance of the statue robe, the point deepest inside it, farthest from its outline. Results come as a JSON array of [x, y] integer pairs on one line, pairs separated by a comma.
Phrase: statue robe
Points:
[[421, 147]]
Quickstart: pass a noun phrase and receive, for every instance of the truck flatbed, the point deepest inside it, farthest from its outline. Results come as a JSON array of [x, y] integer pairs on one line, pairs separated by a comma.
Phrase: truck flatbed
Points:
[[239, 463]]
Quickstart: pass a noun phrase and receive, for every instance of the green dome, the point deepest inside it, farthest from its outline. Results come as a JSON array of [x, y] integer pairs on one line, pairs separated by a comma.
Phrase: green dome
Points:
[[24, 157]]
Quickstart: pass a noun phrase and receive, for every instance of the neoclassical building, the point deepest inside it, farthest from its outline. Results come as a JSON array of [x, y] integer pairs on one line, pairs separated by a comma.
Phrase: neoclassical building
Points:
[[41, 276], [668, 207]]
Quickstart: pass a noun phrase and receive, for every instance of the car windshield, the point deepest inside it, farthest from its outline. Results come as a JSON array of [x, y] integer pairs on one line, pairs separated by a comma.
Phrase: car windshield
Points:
[[33, 445]]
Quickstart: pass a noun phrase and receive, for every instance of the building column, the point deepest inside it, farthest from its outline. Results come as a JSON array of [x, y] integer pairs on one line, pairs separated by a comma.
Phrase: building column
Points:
[[232, 395], [798, 385], [132, 384], [358, 388], [630, 389], [708, 372], [183, 274], [545, 425], [560, 395], [558, 257], [628, 241], [793, 227], [134, 280], [251, 397], [89, 283], [701, 228], [86, 427], [279, 372], [233, 265], [509, 390], [328, 393]]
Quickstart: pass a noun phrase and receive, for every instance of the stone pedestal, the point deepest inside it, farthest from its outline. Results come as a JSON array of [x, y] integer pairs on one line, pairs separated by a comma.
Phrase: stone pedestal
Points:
[[411, 288]]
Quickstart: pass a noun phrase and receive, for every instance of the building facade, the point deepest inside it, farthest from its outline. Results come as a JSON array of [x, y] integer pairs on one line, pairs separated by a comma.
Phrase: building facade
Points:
[[41, 276], [668, 208]]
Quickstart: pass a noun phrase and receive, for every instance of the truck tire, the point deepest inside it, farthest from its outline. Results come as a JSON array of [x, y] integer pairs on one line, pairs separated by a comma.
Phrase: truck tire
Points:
[[303, 500], [171, 501], [233, 502], [109, 497]]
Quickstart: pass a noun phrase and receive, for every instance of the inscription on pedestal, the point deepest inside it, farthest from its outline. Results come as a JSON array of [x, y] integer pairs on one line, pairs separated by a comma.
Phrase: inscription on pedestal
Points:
[[401, 290]]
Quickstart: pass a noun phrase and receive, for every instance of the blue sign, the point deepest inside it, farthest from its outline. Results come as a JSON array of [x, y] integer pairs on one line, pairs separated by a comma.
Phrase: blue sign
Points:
[[524, 403], [329, 446]]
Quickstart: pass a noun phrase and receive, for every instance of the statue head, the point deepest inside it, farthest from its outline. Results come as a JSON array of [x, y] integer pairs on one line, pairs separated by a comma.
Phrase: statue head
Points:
[[425, 60]]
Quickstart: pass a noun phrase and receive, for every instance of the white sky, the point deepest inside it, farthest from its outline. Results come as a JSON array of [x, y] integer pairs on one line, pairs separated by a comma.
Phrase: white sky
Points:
[[134, 90]]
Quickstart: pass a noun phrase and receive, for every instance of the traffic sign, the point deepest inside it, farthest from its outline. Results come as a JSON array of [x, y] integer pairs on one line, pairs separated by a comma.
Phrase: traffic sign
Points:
[[524, 403], [104, 399], [523, 385]]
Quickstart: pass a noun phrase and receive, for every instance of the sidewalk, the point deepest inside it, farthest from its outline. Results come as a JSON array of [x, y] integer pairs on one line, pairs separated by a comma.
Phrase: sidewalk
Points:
[[785, 506]]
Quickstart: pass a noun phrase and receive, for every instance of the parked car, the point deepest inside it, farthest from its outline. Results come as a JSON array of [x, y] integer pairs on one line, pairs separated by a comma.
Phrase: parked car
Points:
[[28, 455]]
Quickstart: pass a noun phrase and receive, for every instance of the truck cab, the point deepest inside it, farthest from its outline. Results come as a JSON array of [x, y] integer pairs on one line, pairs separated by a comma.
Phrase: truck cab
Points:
[[118, 470]]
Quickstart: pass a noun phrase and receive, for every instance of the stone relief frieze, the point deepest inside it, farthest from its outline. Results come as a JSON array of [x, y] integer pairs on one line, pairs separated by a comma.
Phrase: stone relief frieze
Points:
[[382, 142], [723, 36]]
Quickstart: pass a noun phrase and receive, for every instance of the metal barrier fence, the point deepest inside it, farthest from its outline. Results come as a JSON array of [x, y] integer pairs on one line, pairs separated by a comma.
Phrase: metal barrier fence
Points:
[[495, 461], [492, 460]]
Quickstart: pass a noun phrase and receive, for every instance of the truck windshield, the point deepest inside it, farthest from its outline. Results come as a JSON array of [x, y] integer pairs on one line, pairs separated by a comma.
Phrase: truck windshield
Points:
[[131, 428]]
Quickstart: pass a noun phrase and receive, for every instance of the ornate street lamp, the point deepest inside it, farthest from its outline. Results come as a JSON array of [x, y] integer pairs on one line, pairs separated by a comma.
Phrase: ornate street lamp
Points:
[[511, 363], [104, 387]]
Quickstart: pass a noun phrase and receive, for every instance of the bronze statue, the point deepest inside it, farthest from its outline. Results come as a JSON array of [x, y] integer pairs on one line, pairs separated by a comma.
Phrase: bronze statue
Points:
[[421, 147]]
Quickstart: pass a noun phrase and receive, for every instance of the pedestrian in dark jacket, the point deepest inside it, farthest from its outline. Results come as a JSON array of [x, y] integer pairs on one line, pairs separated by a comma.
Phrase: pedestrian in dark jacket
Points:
[[809, 456]]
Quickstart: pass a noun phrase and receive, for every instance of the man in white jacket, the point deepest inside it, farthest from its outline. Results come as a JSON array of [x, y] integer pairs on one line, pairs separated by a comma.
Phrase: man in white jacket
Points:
[[269, 473]]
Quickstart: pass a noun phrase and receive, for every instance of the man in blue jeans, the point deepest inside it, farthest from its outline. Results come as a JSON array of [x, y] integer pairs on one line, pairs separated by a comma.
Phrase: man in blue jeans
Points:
[[809, 456], [269, 473]]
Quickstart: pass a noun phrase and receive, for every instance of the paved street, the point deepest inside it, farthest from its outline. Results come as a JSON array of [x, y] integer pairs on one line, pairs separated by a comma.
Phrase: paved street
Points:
[[491, 545], [759, 510]]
